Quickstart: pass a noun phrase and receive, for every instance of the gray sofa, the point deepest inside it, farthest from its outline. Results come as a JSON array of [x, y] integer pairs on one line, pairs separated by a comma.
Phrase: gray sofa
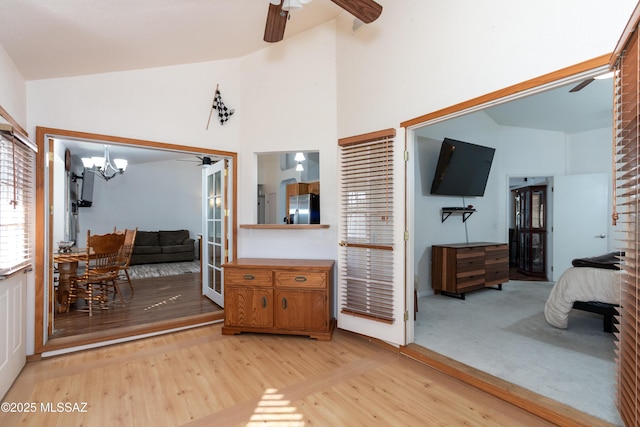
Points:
[[162, 246]]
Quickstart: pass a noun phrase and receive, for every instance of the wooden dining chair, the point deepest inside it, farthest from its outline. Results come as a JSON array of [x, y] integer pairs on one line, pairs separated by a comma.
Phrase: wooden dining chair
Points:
[[102, 266], [125, 254]]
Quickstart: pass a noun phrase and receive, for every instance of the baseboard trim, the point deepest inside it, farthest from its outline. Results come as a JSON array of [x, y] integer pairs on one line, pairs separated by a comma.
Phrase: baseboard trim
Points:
[[544, 407]]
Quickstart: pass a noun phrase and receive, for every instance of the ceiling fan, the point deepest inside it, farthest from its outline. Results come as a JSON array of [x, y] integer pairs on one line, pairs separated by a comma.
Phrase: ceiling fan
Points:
[[365, 10], [202, 161], [582, 85]]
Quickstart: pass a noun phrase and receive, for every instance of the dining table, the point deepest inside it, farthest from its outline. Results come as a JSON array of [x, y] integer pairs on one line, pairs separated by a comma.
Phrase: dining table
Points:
[[68, 263]]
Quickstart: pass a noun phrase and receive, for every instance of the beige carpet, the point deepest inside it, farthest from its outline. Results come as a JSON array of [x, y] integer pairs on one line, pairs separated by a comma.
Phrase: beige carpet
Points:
[[504, 333]]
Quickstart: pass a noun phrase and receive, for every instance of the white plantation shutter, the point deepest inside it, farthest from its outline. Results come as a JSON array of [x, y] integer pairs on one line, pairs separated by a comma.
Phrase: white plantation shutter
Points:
[[367, 191], [17, 177]]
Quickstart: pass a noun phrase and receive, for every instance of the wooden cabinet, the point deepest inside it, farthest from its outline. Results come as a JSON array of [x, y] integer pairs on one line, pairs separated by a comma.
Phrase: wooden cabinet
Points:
[[314, 187], [298, 188], [280, 296], [530, 205], [460, 268]]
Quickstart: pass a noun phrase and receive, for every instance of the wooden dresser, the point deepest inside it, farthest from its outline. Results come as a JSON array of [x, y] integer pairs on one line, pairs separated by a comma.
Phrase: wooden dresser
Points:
[[464, 267], [279, 296]]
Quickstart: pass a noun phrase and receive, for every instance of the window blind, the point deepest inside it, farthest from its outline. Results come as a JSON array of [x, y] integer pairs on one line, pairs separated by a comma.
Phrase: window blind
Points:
[[367, 186], [625, 213], [17, 175]]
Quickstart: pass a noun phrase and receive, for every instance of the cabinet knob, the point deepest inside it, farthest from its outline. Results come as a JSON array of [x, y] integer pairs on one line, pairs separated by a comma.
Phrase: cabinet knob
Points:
[[300, 279], [264, 302], [284, 303], [249, 277]]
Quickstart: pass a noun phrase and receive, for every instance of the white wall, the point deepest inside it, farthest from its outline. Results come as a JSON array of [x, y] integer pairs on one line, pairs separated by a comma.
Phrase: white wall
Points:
[[274, 112], [290, 105], [519, 152], [13, 90], [168, 104], [421, 56], [286, 99], [151, 196], [306, 92]]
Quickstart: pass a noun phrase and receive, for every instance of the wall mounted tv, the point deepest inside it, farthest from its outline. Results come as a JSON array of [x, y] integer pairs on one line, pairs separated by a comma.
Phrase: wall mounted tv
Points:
[[86, 194], [462, 169]]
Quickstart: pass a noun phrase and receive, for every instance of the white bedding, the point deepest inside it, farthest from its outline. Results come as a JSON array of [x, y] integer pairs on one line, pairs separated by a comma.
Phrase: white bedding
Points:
[[580, 284]]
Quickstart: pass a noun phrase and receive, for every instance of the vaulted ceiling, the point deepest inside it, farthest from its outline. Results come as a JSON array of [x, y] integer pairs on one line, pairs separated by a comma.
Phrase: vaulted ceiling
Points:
[[59, 38]]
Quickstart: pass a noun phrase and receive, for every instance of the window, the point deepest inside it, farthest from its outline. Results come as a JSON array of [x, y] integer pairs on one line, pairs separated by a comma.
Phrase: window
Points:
[[367, 226], [17, 160], [627, 209]]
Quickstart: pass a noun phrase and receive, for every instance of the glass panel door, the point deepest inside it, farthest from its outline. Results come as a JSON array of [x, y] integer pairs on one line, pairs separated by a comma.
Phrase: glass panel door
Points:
[[214, 231]]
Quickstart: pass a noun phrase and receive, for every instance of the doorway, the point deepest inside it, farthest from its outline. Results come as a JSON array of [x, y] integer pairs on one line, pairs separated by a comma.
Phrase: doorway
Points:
[[489, 221], [45, 241], [528, 233]]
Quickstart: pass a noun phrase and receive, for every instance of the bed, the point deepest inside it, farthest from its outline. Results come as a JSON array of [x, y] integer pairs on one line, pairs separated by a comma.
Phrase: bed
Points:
[[592, 284]]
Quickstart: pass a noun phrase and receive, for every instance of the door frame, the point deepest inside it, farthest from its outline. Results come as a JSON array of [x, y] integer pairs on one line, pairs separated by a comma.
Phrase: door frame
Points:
[[221, 167], [44, 236], [574, 73]]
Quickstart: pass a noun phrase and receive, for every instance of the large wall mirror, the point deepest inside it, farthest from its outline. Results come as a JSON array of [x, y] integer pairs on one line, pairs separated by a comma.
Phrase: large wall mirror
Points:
[[289, 188]]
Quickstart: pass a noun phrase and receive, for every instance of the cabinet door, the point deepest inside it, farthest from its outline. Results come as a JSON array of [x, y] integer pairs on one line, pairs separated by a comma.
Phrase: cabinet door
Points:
[[301, 310], [246, 306]]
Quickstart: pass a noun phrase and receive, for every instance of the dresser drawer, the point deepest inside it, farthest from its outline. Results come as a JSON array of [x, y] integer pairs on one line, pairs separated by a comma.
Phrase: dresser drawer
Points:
[[247, 277], [497, 252], [299, 279], [464, 255], [470, 283]]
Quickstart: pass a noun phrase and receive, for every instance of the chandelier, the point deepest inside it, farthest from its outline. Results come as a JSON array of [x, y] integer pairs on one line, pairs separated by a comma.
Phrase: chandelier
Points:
[[104, 166]]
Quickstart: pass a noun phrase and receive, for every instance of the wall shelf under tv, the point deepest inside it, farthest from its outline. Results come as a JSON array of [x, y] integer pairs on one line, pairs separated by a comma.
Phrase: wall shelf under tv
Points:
[[465, 212]]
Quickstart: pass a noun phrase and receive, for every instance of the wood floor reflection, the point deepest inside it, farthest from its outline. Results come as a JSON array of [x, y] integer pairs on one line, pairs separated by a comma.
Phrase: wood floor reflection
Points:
[[153, 300]]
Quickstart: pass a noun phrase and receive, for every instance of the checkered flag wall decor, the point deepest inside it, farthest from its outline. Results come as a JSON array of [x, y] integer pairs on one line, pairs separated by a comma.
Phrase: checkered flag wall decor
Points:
[[223, 112]]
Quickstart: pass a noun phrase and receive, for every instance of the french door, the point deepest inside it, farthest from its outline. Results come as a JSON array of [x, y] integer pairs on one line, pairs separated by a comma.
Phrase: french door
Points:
[[215, 228]]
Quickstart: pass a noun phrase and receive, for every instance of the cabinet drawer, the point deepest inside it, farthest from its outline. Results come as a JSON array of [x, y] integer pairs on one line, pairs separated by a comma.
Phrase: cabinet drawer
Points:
[[471, 267], [300, 279], [497, 252], [470, 283], [247, 277], [469, 254]]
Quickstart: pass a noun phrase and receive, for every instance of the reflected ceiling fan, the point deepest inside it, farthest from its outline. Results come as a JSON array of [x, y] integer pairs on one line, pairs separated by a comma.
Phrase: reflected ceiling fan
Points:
[[365, 10]]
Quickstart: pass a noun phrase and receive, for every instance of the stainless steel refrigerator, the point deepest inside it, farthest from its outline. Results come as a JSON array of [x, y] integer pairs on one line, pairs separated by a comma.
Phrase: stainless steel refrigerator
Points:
[[304, 209]]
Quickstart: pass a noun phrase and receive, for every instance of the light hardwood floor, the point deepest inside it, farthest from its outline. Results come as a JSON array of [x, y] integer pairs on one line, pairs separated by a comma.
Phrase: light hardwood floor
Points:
[[199, 377]]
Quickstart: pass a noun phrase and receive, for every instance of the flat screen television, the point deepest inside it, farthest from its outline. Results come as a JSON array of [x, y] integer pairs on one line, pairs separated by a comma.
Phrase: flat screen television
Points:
[[86, 193], [462, 169]]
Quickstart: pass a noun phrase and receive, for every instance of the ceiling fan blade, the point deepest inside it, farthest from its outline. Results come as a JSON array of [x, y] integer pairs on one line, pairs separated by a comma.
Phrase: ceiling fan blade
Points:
[[365, 10], [276, 21], [581, 85]]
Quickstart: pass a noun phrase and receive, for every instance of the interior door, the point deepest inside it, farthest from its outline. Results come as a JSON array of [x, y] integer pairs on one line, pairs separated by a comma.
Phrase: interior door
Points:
[[214, 249], [580, 222], [371, 286]]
